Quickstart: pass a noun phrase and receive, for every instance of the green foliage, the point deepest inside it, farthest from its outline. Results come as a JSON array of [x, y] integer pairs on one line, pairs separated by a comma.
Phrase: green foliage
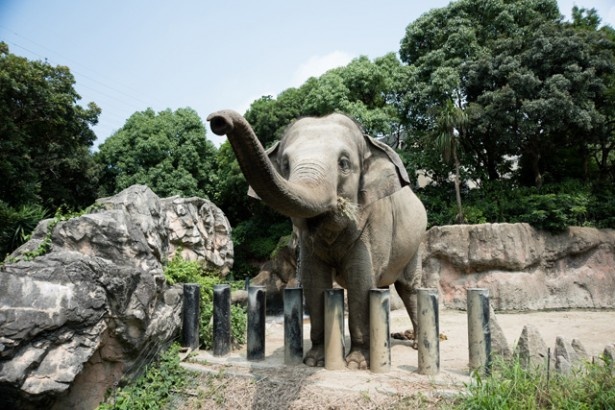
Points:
[[256, 239], [553, 208], [154, 388], [179, 270], [512, 387], [601, 207], [45, 244], [167, 151], [554, 212], [533, 87], [16, 224], [45, 136]]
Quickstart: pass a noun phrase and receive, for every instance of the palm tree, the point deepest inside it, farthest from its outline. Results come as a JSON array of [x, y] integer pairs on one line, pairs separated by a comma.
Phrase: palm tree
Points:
[[451, 122]]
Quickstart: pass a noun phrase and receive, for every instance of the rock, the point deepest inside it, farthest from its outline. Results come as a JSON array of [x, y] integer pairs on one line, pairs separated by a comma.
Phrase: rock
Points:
[[200, 231], [562, 365], [565, 355], [531, 349], [580, 349], [523, 268], [609, 354], [95, 309], [499, 344]]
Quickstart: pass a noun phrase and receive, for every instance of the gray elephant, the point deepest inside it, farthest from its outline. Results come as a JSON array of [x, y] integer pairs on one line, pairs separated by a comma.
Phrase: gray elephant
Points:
[[349, 199]]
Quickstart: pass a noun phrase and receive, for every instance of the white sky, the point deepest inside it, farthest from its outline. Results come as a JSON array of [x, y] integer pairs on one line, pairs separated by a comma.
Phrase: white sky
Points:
[[128, 55]]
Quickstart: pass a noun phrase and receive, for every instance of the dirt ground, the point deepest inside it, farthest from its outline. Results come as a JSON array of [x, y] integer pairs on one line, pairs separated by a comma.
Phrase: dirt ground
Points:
[[232, 382]]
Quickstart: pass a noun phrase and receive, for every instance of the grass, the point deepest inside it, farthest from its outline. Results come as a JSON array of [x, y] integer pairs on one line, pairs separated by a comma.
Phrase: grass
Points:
[[589, 386], [510, 386], [154, 388]]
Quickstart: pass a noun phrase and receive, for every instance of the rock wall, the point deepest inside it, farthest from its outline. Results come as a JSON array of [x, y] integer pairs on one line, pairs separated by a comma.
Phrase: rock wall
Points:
[[524, 269], [95, 309]]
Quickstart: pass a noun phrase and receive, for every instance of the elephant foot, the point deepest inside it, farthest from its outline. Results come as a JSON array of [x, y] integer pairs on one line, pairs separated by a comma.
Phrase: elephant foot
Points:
[[358, 358], [315, 357]]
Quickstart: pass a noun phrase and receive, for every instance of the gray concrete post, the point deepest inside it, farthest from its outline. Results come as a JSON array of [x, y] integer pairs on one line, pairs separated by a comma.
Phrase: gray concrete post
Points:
[[379, 330], [293, 326], [334, 329], [222, 319], [191, 315], [479, 333], [256, 323], [428, 337]]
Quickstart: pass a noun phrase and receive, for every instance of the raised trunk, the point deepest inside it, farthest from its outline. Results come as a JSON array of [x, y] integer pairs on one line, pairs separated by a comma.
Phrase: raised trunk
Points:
[[290, 199]]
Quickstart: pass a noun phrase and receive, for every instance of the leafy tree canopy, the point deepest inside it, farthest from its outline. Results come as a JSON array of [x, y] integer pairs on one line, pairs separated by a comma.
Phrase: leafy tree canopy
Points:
[[166, 151], [530, 84], [45, 136]]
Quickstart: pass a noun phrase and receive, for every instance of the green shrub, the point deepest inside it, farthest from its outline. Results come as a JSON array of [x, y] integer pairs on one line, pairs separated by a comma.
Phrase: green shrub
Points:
[[179, 270], [16, 224], [554, 211], [554, 207], [254, 241], [591, 386], [154, 388]]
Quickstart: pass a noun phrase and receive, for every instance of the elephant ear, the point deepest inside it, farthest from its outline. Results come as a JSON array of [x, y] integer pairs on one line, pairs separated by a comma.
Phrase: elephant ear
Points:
[[272, 153], [383, 172]]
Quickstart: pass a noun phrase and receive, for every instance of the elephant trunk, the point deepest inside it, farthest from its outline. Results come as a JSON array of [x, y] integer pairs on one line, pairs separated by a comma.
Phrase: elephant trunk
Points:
[[295, 200]]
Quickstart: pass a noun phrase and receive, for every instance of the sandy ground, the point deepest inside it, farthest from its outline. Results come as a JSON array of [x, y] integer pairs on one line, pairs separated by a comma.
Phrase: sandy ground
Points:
[[271, 384]]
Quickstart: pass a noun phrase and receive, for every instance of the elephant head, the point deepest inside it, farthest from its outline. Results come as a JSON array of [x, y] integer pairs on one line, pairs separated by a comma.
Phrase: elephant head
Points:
[[321, 165]]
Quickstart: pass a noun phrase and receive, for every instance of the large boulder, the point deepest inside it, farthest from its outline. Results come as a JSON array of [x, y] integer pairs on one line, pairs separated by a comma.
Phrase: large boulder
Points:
[[523, 268], [94, 309]]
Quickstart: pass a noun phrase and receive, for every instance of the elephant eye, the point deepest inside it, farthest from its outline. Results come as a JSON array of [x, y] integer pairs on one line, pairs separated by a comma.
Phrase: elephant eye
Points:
[[284, 167], [344, 164]]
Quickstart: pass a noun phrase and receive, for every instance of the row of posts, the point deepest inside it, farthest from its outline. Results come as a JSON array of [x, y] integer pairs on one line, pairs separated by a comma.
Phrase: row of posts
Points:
[[428, 337]]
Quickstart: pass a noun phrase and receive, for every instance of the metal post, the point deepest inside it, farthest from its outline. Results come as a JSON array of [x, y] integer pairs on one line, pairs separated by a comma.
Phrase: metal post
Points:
[[334, 329], [222, 319], [191, 316], [379, 330], [428, 337], [479, 334], [293, 326], [256, 323]]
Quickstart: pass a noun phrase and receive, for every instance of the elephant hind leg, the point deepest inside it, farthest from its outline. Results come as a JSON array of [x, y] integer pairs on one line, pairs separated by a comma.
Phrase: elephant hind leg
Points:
[[407, 286]]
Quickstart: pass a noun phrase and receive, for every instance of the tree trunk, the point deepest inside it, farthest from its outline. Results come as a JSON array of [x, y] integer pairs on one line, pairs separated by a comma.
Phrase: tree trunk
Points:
[[460, 218]]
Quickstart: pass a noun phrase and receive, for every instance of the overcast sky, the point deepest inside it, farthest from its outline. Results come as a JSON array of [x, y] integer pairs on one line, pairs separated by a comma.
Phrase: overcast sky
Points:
[[128, 55]]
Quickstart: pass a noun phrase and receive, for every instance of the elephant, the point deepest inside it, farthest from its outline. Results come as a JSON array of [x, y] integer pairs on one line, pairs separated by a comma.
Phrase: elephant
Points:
[[349, 199]]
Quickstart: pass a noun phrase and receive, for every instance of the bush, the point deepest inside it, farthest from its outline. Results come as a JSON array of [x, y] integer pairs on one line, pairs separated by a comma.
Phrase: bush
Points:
[[553, 208], [179, 270], [154, 388], [511, 387], [16, 224], [553, 212], [254, 240]]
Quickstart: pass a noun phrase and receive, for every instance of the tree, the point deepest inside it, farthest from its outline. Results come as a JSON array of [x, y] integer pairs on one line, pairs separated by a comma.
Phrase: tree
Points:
[[45, 136], [451, 122], [166, 151], [529, 84]]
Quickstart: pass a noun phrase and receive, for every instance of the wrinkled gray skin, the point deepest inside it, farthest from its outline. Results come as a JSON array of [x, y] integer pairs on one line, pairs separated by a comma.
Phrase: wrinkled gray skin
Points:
[[357, 219]]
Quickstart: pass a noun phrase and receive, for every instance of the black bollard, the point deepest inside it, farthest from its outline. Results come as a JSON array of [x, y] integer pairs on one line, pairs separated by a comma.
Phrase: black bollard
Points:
[[191, 315], [222, 320], [479, 332], [256, 323], [293, 326]]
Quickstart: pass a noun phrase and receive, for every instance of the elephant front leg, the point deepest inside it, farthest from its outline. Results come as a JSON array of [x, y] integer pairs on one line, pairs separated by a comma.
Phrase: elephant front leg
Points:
[[316, 278], [359, 281]]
